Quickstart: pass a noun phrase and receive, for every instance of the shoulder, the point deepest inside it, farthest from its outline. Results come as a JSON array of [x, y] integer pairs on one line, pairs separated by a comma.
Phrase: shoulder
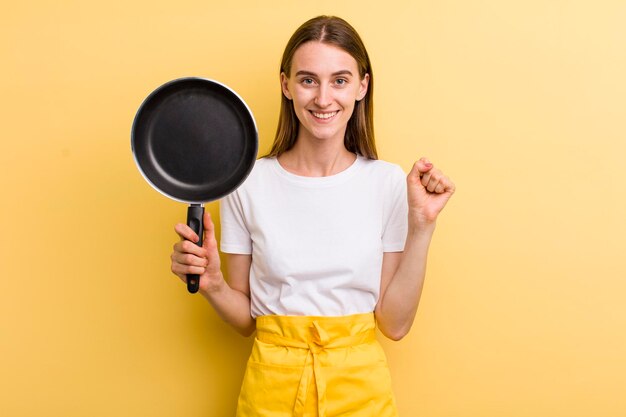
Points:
[[263, 167], [255, 185], [263, 164], [382, 169]]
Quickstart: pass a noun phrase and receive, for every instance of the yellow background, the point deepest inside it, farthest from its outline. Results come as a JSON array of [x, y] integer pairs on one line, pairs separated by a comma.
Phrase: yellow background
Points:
[[522, 103]]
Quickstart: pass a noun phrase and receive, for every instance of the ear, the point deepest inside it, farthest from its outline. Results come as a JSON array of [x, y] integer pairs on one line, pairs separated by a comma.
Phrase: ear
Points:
[[365, 82], [284, 85]]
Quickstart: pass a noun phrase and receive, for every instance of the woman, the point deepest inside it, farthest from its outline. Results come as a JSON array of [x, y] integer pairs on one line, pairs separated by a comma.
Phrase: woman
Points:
[[324, 242]]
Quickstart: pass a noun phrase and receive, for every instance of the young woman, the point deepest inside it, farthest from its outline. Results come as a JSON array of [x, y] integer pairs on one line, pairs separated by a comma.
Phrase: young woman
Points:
[[323, 241]]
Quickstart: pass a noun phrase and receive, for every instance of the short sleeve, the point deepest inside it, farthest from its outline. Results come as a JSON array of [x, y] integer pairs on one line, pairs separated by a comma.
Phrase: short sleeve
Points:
[[395, 222], [235, 235]]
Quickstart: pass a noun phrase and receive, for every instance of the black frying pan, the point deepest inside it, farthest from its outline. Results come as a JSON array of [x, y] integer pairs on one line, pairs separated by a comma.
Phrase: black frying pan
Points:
[[194, 140]]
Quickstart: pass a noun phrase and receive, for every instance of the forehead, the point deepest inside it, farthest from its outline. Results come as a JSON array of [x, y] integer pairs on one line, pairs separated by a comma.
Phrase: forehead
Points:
[[321, 58]]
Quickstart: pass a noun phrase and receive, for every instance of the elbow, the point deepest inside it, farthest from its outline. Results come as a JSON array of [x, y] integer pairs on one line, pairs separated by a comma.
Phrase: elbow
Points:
[[246, 331], [393, 328], [396, 335]]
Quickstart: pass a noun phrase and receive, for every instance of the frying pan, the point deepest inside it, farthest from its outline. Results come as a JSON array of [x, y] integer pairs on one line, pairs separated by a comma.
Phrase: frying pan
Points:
[[194, 140]]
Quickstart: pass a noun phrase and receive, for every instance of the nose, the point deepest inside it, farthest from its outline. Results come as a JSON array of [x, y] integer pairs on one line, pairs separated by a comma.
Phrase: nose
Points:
[[324, 96]]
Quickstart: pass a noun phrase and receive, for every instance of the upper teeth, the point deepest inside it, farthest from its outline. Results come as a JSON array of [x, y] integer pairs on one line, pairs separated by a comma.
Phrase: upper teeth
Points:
[[324, 115]]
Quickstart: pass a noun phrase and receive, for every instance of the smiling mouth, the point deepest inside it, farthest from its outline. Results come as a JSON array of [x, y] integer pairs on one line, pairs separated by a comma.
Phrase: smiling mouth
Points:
[[323, 116]]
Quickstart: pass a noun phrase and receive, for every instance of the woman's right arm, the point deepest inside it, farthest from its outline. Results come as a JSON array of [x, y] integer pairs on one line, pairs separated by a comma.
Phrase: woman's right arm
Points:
[[231, 300]]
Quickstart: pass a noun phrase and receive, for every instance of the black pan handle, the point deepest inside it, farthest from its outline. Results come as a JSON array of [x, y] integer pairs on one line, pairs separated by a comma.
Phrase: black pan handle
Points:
[[194, 220]]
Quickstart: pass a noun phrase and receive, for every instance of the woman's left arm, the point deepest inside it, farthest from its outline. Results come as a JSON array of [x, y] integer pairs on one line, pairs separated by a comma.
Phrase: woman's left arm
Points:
[[428, 191]]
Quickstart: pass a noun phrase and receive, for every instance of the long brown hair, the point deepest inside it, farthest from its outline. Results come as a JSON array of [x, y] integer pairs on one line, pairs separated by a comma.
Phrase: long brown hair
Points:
[[359, 137]]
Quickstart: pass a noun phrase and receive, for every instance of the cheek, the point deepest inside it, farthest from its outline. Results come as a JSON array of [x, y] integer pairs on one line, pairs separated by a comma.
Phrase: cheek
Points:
[[347, 102], [349, 96], [301, 95]]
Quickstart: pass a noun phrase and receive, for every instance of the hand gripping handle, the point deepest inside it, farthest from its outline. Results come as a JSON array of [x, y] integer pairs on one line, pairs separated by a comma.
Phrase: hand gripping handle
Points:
[[194, 220]]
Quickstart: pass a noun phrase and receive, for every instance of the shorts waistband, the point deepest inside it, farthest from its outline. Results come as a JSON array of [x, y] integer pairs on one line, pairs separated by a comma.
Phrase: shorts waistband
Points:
[[320, 330]]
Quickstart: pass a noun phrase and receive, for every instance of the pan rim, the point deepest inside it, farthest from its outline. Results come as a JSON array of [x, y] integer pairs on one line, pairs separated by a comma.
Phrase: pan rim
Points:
[[149, 98]]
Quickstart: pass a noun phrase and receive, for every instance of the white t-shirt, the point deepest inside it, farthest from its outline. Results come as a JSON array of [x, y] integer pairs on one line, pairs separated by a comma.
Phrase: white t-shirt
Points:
[[316, 242]]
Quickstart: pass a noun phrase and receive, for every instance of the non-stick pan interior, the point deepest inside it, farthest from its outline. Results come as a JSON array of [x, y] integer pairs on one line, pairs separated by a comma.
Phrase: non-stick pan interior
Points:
[[194, 140]]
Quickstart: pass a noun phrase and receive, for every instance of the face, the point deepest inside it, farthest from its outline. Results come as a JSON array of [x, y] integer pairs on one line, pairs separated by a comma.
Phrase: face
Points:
[[323, 85]]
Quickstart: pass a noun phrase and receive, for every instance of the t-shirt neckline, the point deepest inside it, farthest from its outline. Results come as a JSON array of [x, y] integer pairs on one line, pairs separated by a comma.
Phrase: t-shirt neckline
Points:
[[329, 180]]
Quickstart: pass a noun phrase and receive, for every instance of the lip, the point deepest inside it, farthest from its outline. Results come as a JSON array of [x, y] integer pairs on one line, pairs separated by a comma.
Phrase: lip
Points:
[[316, 114]]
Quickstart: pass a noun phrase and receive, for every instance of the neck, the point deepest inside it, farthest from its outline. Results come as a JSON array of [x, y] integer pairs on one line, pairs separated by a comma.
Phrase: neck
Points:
[[316, 158]]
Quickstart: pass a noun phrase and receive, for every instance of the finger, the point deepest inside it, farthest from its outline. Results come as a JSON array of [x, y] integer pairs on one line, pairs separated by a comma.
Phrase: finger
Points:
[[431, 178], [183, 270], [185, 246], [447, 184], [425, 180], [188, 259], [440, 188], [450, 187], [433, 183], [186, 232]]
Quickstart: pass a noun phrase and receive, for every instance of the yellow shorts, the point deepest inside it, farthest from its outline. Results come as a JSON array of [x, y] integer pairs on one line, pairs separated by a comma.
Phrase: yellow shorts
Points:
[[316, 366]]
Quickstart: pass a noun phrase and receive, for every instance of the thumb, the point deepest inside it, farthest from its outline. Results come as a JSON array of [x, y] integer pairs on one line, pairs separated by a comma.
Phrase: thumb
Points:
[[420, 167], [208, 239], [209, 244]]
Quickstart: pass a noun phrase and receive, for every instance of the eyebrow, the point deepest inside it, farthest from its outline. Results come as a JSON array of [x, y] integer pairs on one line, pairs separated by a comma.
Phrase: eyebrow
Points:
[[309, 73]]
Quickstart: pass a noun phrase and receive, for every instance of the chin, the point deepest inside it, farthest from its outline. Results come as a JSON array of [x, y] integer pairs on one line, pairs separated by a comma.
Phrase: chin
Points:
[[323, 134]]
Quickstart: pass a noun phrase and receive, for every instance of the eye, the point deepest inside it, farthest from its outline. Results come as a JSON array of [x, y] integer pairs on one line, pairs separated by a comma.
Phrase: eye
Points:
[[341, 81], [307, 81]]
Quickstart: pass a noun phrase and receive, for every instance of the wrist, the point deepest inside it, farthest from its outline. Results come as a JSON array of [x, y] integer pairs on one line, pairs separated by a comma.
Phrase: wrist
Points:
[[422, 218], [216, 284], [419, 225], [421, 232]]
